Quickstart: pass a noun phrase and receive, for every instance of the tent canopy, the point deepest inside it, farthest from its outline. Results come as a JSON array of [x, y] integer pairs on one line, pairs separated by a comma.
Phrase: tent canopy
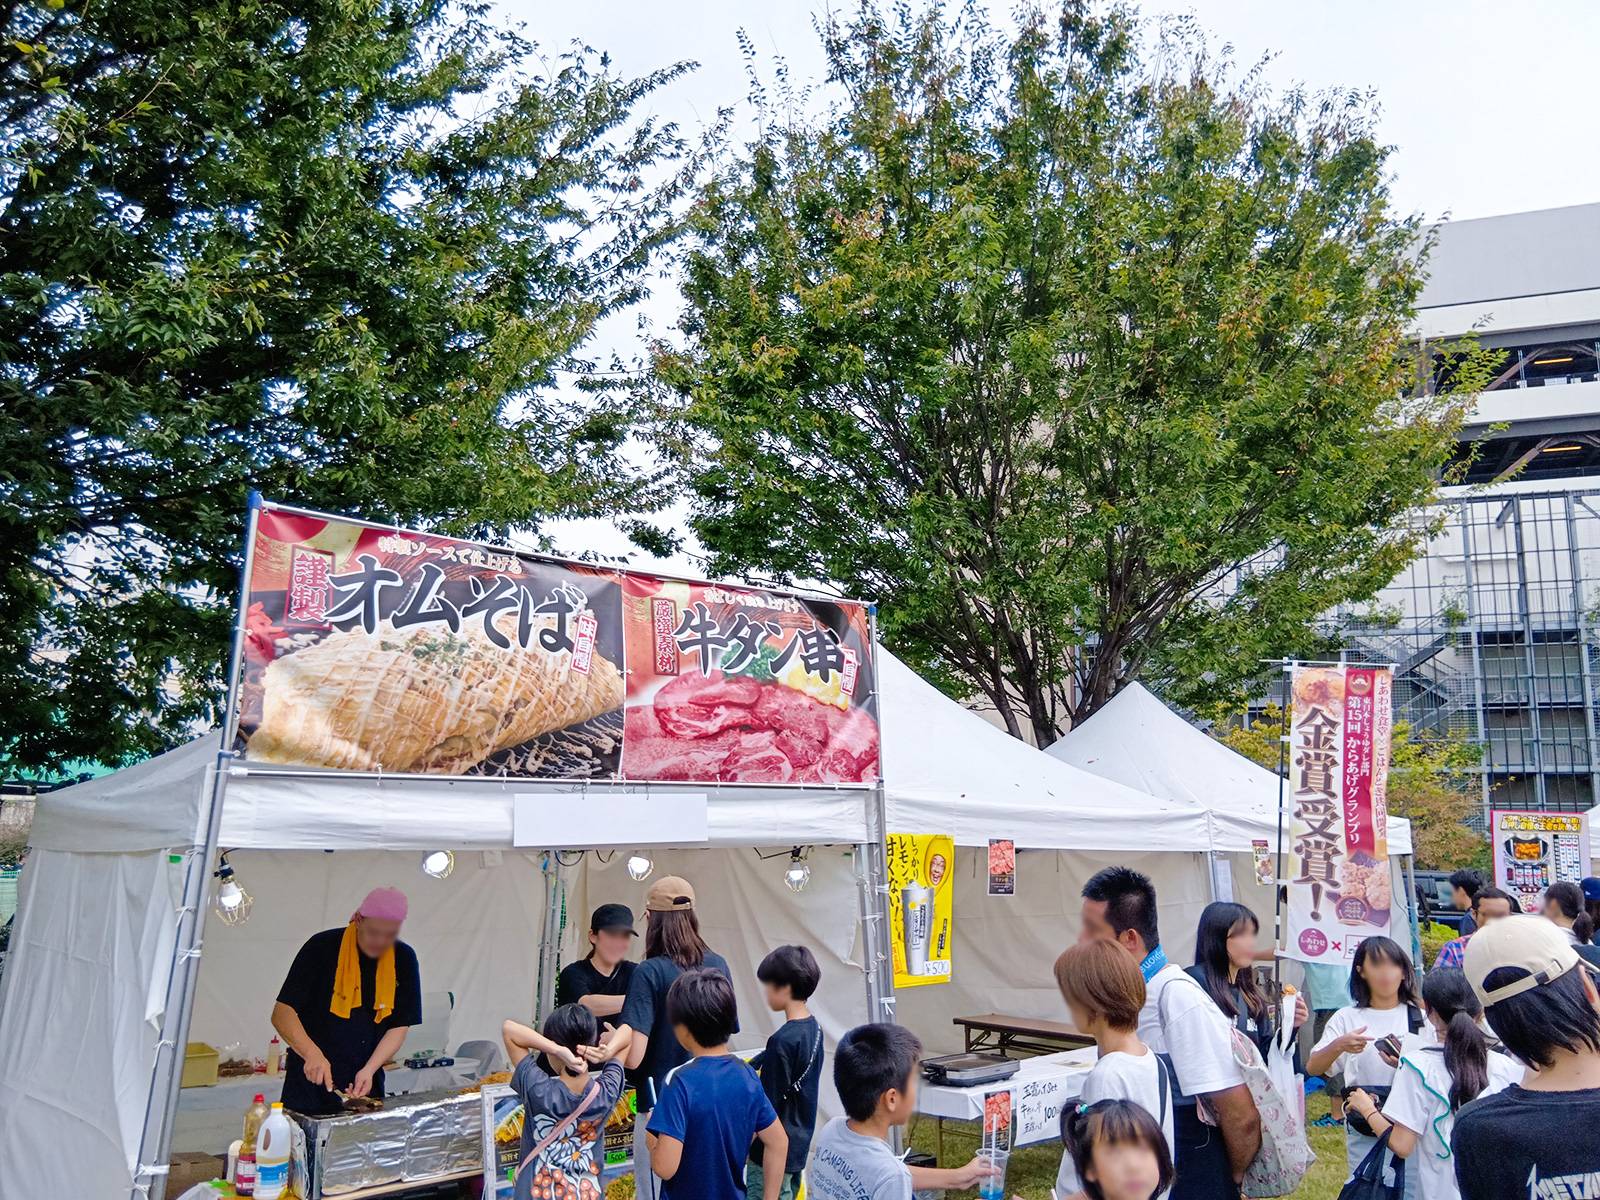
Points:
[[1138, 741], [948, 771]]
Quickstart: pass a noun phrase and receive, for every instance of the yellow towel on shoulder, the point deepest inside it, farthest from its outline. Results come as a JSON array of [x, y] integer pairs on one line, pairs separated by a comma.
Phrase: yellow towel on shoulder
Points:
[[347, 980]]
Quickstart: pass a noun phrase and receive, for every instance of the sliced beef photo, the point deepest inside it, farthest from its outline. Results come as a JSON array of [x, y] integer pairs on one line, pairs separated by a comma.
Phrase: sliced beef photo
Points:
[[734, 729]]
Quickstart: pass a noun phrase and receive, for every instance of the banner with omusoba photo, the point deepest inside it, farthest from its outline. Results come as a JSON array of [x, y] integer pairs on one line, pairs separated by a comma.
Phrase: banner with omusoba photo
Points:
[[371, 648], [1337, 814]]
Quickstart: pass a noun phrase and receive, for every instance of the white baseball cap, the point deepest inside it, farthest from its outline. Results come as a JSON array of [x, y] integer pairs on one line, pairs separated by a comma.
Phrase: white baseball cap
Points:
[[1537, 946]]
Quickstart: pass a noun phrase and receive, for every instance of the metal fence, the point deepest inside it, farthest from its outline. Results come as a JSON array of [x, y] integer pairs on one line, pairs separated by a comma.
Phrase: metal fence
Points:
[[1495, 636]]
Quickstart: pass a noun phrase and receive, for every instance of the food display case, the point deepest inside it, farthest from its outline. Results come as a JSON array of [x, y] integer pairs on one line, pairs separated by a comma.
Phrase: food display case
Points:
[[424, 1138]]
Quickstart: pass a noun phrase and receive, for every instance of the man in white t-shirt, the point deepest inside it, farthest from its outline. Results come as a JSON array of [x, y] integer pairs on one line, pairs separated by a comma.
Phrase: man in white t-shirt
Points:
[[1181, 1021]]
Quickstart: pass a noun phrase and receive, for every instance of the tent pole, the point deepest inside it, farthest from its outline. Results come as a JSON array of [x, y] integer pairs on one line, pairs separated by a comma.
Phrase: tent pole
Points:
[[161, 1103], [1411, 907], [872, 887], [549, 948], [872, 875], [1279, 886]]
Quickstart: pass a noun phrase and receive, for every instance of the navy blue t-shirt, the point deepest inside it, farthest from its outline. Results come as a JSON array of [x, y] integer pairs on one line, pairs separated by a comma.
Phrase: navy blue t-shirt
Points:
[[645, 1009], [715, 1107]]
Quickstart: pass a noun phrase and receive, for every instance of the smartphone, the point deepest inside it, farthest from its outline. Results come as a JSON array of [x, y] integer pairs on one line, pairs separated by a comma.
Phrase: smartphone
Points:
[[1389, 1045]]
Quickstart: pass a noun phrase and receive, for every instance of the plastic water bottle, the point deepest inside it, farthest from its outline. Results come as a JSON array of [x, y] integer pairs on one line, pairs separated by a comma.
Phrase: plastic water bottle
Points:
[[244, 1173], [272, 1156]]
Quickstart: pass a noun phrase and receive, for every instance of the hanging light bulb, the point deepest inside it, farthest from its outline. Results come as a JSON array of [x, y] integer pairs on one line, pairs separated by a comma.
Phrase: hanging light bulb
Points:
[[640, 866], [798, 874], [439, 863], [233, 902]]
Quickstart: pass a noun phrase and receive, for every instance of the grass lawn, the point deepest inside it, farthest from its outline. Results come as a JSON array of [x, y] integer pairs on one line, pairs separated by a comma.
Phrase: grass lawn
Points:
[[1032, 1171]]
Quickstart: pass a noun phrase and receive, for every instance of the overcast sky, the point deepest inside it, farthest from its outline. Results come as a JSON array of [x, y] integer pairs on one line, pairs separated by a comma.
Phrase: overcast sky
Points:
[[1491, 106]]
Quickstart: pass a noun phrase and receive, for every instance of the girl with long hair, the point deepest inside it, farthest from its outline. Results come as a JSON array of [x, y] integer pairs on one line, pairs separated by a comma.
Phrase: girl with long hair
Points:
[[1449, 1065], [1357, 1042], [672, 945], [1224, 964]]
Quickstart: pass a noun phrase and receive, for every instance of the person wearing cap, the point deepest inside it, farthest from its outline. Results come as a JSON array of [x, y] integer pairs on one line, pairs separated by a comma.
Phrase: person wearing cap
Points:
[[599, 980], [345, 1006], [1540, 1138], [672, 945]]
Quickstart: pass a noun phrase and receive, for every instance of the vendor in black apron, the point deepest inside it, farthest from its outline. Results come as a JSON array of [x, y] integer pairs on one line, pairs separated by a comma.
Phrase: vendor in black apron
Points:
[[346, 1005]]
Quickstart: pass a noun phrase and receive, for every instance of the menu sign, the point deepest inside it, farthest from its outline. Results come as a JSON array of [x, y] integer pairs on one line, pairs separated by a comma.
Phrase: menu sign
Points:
[[384, 650], [1339, 889], [1532, 850]]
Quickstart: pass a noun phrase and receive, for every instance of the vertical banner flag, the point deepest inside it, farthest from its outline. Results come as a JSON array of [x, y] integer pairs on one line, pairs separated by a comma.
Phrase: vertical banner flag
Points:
[[921, 904], [1338, 868], [1532, 850]]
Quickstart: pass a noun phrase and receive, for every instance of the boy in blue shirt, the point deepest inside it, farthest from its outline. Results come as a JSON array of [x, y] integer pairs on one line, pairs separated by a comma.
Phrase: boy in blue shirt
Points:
[[702, 1126]]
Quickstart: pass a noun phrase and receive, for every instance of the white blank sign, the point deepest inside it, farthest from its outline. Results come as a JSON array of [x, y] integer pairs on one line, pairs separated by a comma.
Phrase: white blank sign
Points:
[[560, 821]]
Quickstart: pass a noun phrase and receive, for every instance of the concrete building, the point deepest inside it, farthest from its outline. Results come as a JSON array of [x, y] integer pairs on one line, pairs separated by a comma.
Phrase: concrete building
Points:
[[1495, 631]]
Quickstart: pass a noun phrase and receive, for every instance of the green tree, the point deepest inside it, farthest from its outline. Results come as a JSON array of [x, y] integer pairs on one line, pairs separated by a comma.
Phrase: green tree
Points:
[[1432, 783], [339, 252], [1088, 365]]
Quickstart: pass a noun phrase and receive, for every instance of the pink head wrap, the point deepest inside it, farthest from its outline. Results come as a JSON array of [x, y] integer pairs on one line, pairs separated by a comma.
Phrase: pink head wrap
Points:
[[384, 903]]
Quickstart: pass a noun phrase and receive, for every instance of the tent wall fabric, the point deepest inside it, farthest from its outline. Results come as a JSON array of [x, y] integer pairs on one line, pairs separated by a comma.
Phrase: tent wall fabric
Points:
[[745, 911], [476, 934], [1005, 946], [93, 939], [950, 771], [1138, 741]]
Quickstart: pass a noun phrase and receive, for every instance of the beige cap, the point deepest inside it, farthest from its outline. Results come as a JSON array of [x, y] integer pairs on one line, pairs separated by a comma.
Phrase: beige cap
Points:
[[669, 894], [1539, 947]]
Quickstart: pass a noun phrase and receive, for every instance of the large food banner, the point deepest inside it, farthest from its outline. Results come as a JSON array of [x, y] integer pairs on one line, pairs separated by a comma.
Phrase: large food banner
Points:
[[744, 686], [1532, 850], [921, 906], [378, 650], [1338, 870], [385, 650]]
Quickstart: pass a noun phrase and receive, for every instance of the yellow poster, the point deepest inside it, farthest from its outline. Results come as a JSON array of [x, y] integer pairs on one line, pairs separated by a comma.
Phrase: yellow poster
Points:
[[921, 903]]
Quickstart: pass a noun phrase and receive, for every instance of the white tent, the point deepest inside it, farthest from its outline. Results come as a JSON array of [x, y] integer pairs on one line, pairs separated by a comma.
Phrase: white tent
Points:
[[93, 949], [1137, 741]]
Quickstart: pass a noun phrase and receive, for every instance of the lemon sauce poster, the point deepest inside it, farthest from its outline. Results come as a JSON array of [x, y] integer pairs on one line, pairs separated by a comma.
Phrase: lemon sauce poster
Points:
[[921, 906]]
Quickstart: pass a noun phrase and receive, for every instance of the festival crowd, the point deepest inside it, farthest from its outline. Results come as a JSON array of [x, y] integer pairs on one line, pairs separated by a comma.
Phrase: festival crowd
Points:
[[1482, 1084]]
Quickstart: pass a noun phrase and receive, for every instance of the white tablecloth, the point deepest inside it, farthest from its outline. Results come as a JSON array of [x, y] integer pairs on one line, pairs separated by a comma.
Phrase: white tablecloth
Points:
[[1052, 1078]]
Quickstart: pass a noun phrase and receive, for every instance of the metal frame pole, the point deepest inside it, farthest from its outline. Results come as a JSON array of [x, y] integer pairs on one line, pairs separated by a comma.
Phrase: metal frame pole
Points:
[[872, 875], [544, 985], [1525, 605], [1411, 909], [1585, 675], [1474, 628], [161, 1104], [1279, 884]]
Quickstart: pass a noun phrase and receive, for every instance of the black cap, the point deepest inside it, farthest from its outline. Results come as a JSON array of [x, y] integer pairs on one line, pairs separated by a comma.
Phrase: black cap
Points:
[[612, 916]]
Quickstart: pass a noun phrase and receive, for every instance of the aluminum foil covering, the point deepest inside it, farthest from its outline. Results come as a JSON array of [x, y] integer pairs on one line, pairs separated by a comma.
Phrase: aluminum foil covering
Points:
[[412, 1139]]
